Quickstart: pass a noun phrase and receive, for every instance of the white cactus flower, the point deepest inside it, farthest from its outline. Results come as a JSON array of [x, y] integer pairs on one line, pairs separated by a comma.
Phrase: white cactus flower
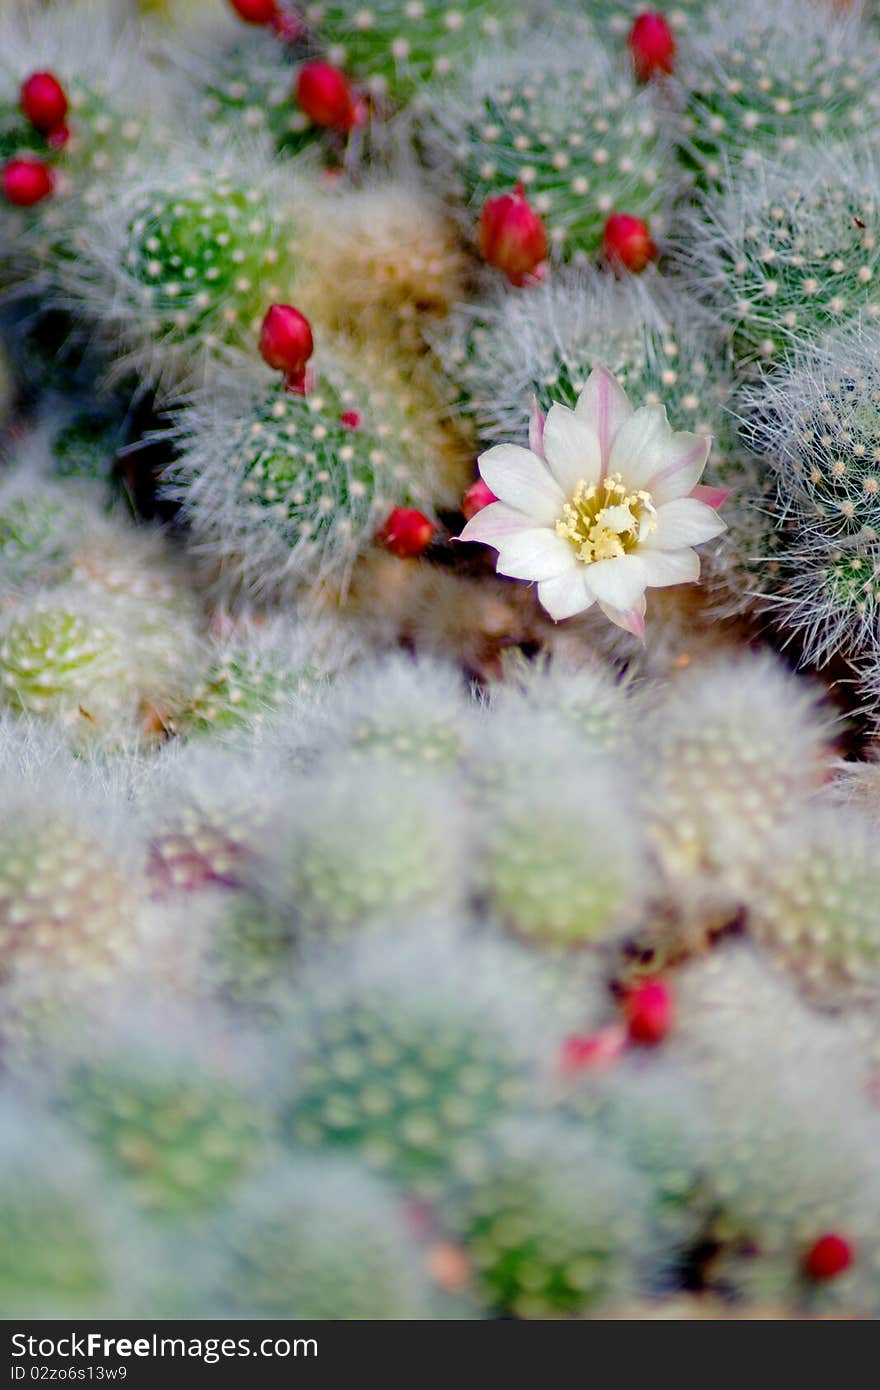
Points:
[[604, 505]]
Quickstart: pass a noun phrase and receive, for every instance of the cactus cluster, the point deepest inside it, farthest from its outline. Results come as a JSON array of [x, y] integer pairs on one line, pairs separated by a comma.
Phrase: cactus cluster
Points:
[[432, 439]]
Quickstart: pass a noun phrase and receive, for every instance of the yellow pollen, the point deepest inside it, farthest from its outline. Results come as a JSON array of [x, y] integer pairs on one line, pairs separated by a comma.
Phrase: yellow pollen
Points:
[[603, 521]]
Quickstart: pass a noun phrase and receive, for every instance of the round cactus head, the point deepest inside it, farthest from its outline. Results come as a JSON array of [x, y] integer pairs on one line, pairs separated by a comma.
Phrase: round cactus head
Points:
[[554, 1223], [319, 1240], [552, 119], [405, 1049], [177, 1119], [787, 251]]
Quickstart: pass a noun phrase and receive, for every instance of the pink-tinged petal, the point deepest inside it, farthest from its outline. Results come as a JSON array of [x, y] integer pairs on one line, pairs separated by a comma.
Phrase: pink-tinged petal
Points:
[[648, 454], [571, 448], [494, 522], [713, 497], [681, 523], [566, 596], [536, 429], [663, 569], [518, 477], [632, 621], [535, 554], [604, 405], [688, 456], [619, 583]]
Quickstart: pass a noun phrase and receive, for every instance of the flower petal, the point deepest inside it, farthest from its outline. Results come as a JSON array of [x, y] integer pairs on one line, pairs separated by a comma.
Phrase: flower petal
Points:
[[632, 621], [520, 478], [603, 404], [495, 521], [688, 456], [712, 496], [535, 554], [648, 454], [682, 523], [664, 568], [619, 583], [565, 596], [571, 448]]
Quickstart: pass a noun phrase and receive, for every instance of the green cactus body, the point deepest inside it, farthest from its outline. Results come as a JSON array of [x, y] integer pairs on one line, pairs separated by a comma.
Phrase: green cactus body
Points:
[[789, 253], [66, 905], [284, 488], [238, 692], [552, 1225], [322, 1242], [199, 260], [406, 1077], [86, 447], [395, 46], [54, 661], [34, 539], [251, 85], [818, 911], [180, 1142], [581, 147], [770, 80]]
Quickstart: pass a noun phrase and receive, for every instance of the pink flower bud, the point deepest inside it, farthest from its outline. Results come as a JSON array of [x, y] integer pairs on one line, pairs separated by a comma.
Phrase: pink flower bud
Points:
[[652, 46], [592, 1051], [43, 101], [27, 181], [627, 242], [325, 95], [512, 236], [407, 533], [476, 498]]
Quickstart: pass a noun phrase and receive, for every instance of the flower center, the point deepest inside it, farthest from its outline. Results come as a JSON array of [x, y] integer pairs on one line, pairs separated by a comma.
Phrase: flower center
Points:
[[603, 521]]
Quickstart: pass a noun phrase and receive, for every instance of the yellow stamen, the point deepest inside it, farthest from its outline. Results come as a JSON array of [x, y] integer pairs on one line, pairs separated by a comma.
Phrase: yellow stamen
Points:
[[603, 521]]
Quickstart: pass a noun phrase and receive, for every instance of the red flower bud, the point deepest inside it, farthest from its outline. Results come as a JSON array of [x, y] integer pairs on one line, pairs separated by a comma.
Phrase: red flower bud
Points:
[[592, 1051], [257, 11], [27, 181], [627, 242], [829, 1256], [648, 1010], [652, 46], [407, 533], [351, 419], [286, 341], [325, 94], [476, 498], [44, 101], [512, 236]]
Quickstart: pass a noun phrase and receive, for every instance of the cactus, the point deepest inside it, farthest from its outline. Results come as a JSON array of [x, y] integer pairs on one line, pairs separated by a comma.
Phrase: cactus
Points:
[[282, 488], [361, 844], [70, 1247], [321, 1241], [817, 913], [412, 715], [66, 899], [581, 878], [787, 252], [553, 1223], [767, 80], [184, 260], [396, 46], [733, 751], [404, 1050], [552, 117], [818, 424], [586, 700], [205, 817], [175, 1119]]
